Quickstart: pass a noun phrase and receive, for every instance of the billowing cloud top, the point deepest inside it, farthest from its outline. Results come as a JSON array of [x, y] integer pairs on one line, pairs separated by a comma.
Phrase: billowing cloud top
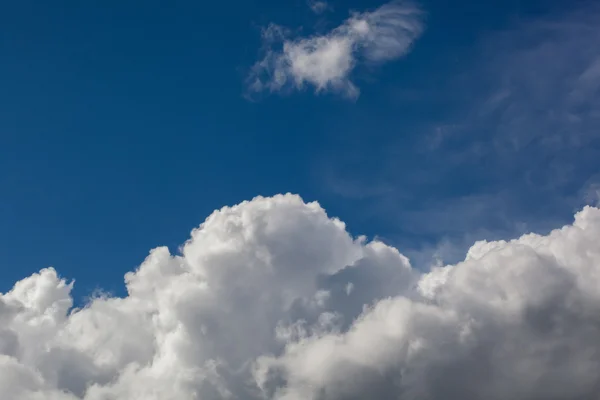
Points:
[[326, 61], [272, 299]]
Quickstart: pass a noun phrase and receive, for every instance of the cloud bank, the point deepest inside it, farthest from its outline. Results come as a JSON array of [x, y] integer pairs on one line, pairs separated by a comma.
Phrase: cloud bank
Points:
[[273, 299], [325, 62]]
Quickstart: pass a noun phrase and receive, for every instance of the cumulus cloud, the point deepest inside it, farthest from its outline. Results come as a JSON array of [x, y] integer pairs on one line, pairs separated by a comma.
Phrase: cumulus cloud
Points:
[[274, 299], [325, 62]]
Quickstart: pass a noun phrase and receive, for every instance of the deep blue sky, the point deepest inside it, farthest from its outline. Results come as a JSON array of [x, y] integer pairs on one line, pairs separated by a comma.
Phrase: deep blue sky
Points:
[[123, 125]]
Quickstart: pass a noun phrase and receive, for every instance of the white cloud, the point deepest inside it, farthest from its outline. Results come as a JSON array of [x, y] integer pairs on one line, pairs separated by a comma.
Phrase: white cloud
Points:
[[326, 61], [318, 7], [258, 305], [515, 320]]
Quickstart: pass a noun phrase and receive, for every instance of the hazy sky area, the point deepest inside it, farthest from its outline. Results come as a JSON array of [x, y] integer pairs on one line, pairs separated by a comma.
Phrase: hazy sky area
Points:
[[292, 200]]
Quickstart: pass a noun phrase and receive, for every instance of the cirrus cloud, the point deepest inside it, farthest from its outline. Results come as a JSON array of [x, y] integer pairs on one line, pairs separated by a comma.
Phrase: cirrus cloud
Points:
[[318, 7]]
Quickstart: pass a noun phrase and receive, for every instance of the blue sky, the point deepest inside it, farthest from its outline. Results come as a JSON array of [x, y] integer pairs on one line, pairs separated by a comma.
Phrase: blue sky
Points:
[[124, 124]]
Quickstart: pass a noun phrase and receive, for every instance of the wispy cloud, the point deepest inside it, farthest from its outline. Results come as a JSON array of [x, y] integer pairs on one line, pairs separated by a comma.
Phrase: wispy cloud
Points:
[[543, 81], [325, 62], [318, 7], [518, 143]]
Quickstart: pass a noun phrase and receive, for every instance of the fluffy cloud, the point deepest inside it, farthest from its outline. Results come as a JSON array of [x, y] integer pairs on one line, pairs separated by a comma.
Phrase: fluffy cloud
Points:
[[274, 299], [326, 61]]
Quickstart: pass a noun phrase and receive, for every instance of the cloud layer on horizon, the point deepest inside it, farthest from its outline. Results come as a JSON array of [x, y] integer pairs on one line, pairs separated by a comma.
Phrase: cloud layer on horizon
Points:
[[325, 62], [274, 299]]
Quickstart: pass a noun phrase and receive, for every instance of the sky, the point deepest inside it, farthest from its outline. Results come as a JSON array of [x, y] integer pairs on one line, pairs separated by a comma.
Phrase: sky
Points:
[[457, 141], [125, 125]]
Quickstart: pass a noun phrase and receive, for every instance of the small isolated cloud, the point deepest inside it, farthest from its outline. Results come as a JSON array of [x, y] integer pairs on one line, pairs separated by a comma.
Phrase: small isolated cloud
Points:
[[325, 62], [273, 299], [318, 7]]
